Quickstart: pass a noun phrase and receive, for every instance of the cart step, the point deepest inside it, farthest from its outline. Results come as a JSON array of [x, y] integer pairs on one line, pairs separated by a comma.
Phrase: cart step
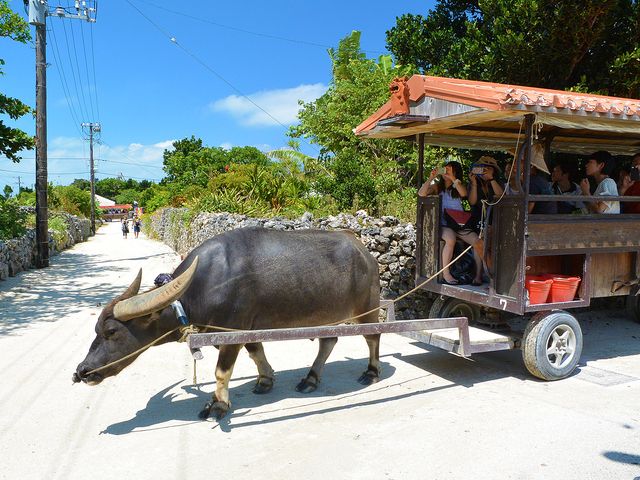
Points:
[[449, 339]]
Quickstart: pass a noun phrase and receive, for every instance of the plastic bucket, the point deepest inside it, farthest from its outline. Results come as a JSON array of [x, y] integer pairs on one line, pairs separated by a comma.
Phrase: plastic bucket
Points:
[[538, 289], [564, 289]]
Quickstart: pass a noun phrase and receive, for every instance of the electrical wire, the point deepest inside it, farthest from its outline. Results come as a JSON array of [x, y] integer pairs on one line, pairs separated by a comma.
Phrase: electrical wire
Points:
[[63, 80], [250, 32], [75, 54], [93, 66], [207, 67], [83, 113], [86, 68]]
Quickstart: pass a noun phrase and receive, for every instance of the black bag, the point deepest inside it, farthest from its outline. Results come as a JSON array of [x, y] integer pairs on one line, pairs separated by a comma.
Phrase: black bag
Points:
[[463, 269]]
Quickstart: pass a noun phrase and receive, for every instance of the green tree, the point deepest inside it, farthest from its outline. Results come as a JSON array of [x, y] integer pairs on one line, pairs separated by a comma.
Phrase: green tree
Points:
[[12, 140], [82, 184], [110, 187], [73, 200], [361, 172], [548, 43], [190, 163]]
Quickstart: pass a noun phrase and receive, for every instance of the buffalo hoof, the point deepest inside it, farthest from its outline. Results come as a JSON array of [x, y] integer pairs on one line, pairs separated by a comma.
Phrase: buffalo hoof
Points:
[[263, 385], [217, 409], [369, 377], [307, 385]]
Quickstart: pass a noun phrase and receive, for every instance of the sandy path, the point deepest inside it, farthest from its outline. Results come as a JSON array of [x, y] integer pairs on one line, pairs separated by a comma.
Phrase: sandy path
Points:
[[433, 415]]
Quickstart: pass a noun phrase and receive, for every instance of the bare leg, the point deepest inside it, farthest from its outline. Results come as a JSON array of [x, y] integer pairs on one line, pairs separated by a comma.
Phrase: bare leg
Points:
[[220, 403], [449, 237], [265, 372], [471, 238], [310, 383]]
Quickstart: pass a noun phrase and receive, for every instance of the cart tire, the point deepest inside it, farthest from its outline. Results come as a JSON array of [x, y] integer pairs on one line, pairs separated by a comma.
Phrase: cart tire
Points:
[[633, 305], [447, 307], [552, 345]]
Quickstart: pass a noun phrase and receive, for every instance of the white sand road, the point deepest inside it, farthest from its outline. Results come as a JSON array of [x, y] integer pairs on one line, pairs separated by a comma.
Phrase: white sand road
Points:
[[433, 415]]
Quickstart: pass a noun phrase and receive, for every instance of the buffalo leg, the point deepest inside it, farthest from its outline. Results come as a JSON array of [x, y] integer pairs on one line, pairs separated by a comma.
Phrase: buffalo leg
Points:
[[220, 404], [310, 383], [372, 373], [264, 383]]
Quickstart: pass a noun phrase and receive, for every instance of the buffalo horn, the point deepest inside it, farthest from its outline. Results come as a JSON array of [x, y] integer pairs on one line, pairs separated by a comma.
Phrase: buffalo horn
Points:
[[155, 299]]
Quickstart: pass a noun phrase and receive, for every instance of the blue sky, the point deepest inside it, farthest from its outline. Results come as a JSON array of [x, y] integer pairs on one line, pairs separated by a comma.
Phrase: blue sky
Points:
[[150, 90]]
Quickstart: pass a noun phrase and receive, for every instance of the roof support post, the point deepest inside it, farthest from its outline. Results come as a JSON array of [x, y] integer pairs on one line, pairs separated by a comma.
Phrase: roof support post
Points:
[[420, 138]]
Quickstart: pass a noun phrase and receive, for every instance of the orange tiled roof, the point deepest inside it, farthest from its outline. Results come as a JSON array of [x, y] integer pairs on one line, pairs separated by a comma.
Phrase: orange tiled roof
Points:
[[122, 206], [496, 97]]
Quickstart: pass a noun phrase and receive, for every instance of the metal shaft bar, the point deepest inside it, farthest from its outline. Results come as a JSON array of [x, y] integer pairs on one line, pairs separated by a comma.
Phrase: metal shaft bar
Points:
[[198, 340], [586, 198]]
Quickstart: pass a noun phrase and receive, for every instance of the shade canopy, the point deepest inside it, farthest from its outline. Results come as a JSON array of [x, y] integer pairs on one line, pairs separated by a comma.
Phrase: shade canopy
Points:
[[488, 116]]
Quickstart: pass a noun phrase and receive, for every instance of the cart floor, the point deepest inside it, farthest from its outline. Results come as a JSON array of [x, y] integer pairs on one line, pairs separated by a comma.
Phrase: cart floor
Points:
[[479, 340]]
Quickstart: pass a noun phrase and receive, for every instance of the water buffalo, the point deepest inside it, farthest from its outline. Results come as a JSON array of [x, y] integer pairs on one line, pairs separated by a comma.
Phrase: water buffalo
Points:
[[249, 278]]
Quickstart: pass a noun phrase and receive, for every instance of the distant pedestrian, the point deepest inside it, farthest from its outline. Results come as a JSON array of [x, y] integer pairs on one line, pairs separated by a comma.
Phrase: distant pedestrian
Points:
[[125, 227], [136, 226]]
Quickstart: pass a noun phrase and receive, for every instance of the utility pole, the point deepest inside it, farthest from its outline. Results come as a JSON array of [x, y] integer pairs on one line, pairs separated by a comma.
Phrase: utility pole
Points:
[[37, 17], [93, 127], [38, 12], [19, 185]]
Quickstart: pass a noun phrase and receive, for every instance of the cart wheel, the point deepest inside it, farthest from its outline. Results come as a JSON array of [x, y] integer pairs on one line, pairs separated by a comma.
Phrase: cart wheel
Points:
[[633, 305], [447, 307], [552, 345]]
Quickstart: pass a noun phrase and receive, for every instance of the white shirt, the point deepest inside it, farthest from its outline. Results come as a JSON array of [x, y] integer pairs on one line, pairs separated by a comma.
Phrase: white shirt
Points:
[[608, 187]]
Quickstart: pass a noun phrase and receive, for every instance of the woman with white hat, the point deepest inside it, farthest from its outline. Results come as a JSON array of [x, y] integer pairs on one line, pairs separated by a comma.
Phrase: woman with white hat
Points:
[[538, 185]]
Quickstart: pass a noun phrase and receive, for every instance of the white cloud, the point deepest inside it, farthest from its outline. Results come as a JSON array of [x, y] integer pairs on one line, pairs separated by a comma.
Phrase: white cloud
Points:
[[282, 105], [135, 160]]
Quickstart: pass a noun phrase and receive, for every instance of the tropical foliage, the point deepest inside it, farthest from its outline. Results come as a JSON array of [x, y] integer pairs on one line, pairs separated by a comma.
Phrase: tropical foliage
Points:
[[12, 140]]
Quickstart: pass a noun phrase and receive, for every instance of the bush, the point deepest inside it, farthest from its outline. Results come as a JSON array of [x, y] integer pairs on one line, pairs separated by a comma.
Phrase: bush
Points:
[[73, 200], [12, 219]]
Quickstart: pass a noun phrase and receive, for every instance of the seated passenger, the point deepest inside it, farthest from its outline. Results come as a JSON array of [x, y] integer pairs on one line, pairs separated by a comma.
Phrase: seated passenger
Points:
[[562, 178], [452, 191], [631, 186], [485, 185], [599, 166], [538, 185]]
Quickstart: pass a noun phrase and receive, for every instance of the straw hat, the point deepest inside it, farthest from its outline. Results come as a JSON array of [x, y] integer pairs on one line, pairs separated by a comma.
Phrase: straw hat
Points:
[[490, 162], [537, 158]]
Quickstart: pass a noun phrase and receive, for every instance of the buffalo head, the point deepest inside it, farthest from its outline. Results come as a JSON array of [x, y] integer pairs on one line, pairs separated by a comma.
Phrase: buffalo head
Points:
[[128, 323]]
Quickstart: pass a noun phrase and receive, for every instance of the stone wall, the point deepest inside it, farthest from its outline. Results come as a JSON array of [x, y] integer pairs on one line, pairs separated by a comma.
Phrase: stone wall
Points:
[[19, 254], [392, 243]]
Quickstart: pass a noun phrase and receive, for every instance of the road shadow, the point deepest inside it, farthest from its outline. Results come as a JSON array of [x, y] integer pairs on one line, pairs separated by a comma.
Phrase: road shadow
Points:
[[60, 290], [622, 457], [163, 406]]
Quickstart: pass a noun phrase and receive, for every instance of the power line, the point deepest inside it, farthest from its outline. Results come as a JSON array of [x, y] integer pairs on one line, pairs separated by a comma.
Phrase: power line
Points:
[[93, 66], [197, 59], [250, 32], [86, 69], [83, 112], [63, 80]]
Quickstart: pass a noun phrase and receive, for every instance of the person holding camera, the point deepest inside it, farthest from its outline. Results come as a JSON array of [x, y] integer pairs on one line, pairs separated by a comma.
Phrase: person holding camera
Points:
[[631, 186], [455, 222], [484, 184]]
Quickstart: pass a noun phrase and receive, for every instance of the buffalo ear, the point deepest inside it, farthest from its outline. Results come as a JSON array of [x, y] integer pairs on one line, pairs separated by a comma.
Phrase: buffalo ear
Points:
[[133, 289]]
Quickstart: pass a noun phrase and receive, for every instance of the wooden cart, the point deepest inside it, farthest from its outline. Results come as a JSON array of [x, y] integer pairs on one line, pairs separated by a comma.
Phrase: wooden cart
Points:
[[604, 250]]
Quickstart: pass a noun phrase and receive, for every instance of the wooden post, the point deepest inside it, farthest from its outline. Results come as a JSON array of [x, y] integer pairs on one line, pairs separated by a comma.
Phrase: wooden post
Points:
[[42, 221]]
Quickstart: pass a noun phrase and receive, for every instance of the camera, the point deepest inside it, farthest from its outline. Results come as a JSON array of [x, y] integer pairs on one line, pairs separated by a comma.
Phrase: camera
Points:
[[477, 170], [441, 170], [635, 174]]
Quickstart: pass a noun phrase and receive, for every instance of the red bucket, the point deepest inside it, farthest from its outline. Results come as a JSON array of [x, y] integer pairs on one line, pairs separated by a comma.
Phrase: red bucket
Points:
[[538, 289], [564, 288]]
